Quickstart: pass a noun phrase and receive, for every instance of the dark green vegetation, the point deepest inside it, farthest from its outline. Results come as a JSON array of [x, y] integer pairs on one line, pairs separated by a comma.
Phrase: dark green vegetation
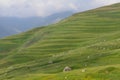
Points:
[[88, 40]]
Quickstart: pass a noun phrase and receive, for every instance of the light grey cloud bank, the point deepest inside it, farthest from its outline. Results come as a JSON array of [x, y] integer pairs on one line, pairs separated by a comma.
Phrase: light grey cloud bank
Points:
[[27, 8]]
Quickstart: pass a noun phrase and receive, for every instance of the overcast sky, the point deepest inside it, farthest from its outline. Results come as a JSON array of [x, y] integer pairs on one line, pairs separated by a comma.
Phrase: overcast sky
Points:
[[27, 8]]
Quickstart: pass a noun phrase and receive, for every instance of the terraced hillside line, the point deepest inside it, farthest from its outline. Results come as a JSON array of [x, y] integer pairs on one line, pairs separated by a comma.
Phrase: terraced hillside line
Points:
[[84, 41]]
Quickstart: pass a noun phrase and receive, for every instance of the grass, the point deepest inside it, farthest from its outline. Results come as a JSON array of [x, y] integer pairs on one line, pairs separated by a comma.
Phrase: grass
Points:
[[96, 73], [88, 40]]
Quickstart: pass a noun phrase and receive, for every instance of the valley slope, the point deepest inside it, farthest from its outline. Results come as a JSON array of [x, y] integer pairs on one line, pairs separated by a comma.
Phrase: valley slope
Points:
[[87, 41]]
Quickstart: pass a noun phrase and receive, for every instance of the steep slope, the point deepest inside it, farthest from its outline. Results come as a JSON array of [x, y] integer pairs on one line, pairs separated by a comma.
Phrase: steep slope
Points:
[[88, 40]]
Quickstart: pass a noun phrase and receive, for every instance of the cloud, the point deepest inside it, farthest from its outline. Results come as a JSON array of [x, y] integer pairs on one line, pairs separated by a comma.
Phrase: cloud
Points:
[[26, 8], [106, 1]]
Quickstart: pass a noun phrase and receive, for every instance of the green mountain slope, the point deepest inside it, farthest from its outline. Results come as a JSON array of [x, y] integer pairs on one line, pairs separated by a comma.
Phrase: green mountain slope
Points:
[[88, 40]]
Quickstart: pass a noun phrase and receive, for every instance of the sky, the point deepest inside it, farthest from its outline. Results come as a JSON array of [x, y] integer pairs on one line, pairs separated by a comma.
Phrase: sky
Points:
[[42, 8]]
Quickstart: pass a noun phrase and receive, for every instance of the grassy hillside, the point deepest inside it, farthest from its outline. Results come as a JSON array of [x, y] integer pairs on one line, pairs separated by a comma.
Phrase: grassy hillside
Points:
[[88, 40]]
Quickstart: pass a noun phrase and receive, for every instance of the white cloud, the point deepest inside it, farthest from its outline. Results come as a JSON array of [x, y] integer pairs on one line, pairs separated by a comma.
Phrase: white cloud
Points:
[[106, 2], [74, 7], [26, 8]]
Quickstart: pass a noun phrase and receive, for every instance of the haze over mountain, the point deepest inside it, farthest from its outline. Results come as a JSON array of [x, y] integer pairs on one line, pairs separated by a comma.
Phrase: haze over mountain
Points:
[[27, 8], [87, 42], [17, 15], [14, 25]]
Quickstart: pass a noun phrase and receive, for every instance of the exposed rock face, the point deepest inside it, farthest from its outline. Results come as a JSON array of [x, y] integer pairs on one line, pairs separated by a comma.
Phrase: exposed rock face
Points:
[[67, 69]]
